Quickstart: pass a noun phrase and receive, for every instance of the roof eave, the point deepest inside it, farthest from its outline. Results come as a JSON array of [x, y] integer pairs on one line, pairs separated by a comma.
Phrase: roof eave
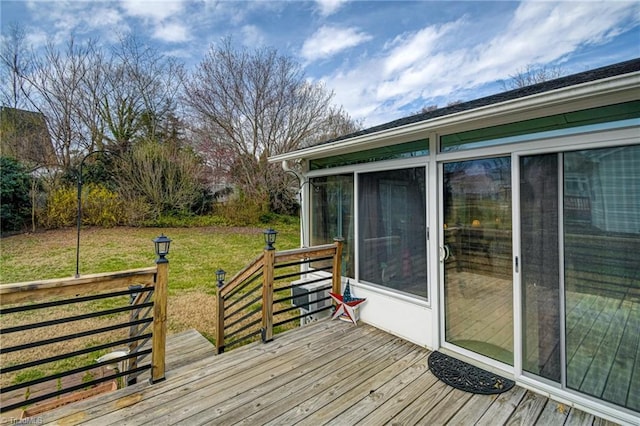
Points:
[[627, 84]]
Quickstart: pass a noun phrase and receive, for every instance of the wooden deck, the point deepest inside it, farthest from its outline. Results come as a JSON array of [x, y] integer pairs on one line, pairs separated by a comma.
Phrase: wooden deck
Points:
[[329, 372]]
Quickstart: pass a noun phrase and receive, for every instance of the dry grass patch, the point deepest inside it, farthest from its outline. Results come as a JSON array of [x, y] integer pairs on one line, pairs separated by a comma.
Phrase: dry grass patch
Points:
[[192, 309], [58, 348]]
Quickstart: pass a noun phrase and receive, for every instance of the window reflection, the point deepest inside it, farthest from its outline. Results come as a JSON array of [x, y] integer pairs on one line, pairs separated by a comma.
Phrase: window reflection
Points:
[[602, 273], [332, 216], [392, 225]]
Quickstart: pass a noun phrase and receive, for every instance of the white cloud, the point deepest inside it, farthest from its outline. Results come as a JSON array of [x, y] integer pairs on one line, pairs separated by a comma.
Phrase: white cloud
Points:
[[163, 16], [328, 41], [541, 33], [431, 63], [329, 7], [252, 36], [36, 38], [173, 32], [411, 49], [75, 18], [154, 10]]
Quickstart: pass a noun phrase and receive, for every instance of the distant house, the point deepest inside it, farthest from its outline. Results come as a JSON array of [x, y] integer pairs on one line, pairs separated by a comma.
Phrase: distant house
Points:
[[504, 231], [25, 137]]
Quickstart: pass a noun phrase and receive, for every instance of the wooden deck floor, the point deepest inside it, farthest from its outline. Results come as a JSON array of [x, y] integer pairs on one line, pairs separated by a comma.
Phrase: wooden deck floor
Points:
[[326, 373]]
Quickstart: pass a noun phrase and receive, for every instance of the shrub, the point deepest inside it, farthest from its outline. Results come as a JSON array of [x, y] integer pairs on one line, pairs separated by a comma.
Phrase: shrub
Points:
[[136, 212], [165, 176], [15, 205], [243, 211], [61, 208], [100, 207]]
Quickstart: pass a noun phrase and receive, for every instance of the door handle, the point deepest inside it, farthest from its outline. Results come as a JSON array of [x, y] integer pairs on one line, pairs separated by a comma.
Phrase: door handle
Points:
[[445, 253]]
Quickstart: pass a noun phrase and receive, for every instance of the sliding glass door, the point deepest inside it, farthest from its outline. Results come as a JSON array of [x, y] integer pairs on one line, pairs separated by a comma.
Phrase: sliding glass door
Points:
[[580, 241], [477, 253]]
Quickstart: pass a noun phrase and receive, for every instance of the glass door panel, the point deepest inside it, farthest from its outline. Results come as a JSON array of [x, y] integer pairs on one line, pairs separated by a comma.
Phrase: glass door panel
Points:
[[580, 239], [540, 273], [601, 214], [332, 216], [478, 282]]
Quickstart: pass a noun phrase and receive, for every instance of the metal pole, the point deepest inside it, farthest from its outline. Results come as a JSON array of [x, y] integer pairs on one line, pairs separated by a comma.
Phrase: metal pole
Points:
[[79, 213], [79, 218]]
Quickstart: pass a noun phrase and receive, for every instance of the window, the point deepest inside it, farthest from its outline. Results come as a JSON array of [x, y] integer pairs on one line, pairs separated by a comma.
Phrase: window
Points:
[[608, 116], [602, 273], [332, 215], [419, 148], [392, 229]]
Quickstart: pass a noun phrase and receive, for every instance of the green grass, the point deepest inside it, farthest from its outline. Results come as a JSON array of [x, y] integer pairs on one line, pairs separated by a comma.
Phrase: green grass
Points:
[[28, 375], [196, 253]]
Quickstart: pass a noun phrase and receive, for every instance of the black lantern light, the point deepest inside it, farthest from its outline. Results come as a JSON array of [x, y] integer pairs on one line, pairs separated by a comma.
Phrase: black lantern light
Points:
[[220, 274], [162, 248], [270, 238]]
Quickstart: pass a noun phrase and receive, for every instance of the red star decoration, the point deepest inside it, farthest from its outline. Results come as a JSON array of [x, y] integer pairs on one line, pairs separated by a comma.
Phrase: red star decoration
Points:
[[346, 304]]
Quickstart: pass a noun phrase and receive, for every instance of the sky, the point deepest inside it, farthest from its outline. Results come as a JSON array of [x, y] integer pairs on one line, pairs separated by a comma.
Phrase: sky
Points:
[[382, 59]]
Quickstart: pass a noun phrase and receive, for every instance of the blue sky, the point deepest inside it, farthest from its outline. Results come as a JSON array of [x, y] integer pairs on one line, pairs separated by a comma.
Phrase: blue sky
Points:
[[383, 59]]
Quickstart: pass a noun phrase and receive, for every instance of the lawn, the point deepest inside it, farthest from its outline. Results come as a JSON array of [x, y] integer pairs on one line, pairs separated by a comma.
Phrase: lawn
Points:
[[196, 253]]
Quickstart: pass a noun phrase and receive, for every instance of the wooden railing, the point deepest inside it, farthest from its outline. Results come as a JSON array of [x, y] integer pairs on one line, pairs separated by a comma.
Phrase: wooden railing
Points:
[[37, 364], [246, 306]]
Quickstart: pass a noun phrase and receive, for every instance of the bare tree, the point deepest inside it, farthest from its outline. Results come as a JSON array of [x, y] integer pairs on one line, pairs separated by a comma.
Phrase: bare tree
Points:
[[257, 104], [531, 75], [15, 63], [57, 82], [337, 123], [161, 176], [141, 92], [92, 91]]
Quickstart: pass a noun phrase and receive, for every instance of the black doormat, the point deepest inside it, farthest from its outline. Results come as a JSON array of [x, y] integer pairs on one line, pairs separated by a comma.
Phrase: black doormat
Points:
[[467, 377]]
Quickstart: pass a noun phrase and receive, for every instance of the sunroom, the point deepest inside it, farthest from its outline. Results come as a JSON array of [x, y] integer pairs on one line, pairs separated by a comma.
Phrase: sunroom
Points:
[[502, 231]]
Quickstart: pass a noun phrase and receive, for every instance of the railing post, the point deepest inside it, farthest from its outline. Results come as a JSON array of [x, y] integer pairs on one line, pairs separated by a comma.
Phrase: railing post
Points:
[[267, 293], [336, 282], [159, 320], [219, 319]]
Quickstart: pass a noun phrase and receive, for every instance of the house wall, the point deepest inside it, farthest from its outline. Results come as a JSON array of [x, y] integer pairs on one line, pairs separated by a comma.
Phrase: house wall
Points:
[[420, 320], [397, 315]]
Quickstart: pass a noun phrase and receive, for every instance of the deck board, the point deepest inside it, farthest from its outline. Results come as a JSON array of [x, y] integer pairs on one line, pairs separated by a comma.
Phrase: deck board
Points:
[[329, 372], [360, 400], [554, 414], [269, 400], [473, 410], [421, 394], [528, 410], [377, 392]]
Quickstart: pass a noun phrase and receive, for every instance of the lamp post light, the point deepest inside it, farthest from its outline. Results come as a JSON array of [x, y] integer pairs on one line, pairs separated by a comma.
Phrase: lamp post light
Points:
[[162, 244], [220, 274], [270, 238]]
